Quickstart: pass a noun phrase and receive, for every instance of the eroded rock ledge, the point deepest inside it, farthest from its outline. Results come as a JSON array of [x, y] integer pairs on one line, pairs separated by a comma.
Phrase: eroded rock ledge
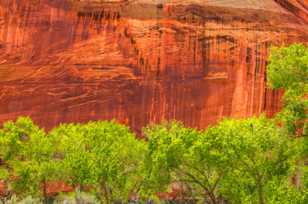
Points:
[[141, 61]]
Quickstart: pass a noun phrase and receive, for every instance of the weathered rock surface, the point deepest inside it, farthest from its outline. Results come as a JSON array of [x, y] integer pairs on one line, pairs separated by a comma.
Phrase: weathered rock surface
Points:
[[141, 61]]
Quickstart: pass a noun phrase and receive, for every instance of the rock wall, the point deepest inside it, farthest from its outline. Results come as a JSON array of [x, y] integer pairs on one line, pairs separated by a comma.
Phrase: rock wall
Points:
[[141, 61]]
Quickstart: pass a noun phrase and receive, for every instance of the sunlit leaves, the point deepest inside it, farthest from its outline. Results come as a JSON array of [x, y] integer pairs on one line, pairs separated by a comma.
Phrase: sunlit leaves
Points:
[[288, 69], [103, 155], [234, 159], [26, 154]]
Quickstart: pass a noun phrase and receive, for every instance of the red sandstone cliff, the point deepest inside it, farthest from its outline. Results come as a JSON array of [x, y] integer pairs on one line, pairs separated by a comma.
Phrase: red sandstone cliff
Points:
[[141, 61]]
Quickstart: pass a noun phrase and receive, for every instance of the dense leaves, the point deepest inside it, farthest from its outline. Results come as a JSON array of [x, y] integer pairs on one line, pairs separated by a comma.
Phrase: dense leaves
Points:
[[26, 155], [103, 155], [239, 161], [236, 160], [288, 70], [102, 158], [288, 67]]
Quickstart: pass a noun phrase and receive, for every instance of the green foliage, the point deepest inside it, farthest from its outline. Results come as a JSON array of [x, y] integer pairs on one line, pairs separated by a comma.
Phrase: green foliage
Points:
[[71, 153], [260, 153], [26, 154], [103, 155], [282, 192], [167, 148], [236, 160], [288, 69], [241, 161]]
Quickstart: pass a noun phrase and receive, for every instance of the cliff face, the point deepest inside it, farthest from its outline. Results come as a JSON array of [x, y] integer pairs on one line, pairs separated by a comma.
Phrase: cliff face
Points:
[[141, 61]]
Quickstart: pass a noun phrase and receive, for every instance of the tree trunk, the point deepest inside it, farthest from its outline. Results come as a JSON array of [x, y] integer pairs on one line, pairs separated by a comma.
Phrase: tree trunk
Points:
[[211, 199], [105, 193], [45, 197], [297, 176], [260, 194], [77, 195]]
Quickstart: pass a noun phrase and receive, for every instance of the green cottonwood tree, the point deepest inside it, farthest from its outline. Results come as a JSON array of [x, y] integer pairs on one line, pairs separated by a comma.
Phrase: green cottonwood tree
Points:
[[262, 155], [118, 158], [104, 156], [26, 154], [288, 70], [186, 156], [237, 160], [166, 146], [71, 151]]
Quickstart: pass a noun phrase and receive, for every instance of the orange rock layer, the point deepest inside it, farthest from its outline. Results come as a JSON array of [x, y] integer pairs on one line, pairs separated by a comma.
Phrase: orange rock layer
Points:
[[142, 61]]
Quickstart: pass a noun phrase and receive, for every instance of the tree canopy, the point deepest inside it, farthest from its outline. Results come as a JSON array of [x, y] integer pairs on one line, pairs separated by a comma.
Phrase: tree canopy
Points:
[[288, 70]]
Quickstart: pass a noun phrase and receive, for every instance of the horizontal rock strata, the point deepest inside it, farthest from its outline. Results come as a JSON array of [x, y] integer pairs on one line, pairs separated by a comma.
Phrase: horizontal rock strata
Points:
[[142, 61]]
